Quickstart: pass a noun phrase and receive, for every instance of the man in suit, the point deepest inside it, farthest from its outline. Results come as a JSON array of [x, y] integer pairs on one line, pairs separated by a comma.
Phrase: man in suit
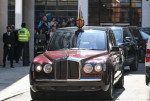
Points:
[[9, 40]]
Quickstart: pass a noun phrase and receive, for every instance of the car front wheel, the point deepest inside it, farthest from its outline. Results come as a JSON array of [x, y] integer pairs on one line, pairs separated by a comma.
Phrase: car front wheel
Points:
[[36, 95], [120, 83], [147, 79], [134, 65], [108, 95]]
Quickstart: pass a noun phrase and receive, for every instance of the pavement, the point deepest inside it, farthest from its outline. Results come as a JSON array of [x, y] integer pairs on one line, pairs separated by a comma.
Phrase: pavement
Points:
[[13, 81]]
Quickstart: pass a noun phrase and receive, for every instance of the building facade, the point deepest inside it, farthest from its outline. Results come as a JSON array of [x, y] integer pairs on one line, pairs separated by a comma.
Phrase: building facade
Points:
[[115, 12], [96, 12]]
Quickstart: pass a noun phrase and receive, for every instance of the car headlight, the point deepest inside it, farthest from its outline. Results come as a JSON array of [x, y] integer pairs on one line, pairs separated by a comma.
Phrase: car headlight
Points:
[[47, 68], [38, 68], [98, 67], [88, 68]]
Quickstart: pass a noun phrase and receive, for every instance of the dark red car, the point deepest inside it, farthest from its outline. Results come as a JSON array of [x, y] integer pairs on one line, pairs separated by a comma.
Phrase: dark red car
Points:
[[87, 59]]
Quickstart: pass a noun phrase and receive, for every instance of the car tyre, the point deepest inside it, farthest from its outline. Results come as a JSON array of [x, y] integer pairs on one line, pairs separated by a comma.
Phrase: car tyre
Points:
[[108, 95], [147, 79], [134, 65], [142, 53], [36, 95], [120, 83]]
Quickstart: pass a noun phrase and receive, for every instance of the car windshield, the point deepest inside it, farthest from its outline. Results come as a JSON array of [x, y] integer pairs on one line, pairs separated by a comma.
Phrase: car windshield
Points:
[[118, 35], [145, 36], [88, 39], [146, 30]]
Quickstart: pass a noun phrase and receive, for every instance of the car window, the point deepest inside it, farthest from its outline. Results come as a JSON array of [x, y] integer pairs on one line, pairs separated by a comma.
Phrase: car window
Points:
[[146, 30], [112, 40], [144, 35], [88, 39], [135, 33], [114, 43], [118, 35], [126, 33]]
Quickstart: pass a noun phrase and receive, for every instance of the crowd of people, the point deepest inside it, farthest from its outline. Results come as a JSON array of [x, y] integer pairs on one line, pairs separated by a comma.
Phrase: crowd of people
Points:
[[47, 28]]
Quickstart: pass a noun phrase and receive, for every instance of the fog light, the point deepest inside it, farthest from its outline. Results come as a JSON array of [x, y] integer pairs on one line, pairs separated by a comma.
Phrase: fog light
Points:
[[38, 68]]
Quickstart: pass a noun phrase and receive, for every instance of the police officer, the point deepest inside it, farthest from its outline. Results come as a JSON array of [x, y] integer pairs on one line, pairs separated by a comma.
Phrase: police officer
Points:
[[9, 40], [23, 39]]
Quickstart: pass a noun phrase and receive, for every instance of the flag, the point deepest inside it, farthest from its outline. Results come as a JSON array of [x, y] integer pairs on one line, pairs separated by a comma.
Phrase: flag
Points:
[[80, 15], [80, 21]]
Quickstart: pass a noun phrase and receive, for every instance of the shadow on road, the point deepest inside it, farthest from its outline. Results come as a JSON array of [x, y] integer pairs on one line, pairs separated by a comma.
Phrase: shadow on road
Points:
[[9, 76], [140, 71]]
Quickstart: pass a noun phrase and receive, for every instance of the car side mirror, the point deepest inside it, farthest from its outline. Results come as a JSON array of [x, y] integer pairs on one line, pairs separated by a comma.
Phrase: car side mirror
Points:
[[115, 48], [127, 39]]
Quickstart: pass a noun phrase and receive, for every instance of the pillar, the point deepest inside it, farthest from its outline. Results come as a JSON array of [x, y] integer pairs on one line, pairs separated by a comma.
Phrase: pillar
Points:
[[28, 18], [145, 13], [18, 14], [84, 7], [3, 25]]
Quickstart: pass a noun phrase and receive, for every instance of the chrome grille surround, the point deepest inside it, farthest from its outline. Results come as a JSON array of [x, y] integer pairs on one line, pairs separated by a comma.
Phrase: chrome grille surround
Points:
[[67, 68]]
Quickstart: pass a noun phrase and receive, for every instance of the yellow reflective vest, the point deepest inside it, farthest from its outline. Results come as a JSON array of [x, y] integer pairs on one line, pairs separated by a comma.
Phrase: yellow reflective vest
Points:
[[23, 35]]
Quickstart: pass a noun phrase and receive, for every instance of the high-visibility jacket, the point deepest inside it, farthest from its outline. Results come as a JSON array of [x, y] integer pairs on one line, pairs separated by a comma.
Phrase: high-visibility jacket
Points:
[[23, 35]]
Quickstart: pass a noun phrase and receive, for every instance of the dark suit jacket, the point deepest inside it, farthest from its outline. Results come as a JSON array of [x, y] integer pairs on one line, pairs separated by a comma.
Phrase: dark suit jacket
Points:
[[8, 39]]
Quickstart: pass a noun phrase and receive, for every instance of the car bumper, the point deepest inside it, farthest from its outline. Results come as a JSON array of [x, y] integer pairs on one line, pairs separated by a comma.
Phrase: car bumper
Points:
[[69, 85]]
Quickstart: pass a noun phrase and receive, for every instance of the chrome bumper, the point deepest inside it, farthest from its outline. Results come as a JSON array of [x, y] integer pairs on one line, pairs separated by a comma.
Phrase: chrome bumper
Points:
[[69, 85]]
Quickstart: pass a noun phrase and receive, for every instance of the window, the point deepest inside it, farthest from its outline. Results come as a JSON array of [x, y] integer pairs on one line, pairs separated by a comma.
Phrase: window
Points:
[[89, 39], [126, 33], [111, 11], [112, 40], [11, 12], [55, 8], [118, 35]]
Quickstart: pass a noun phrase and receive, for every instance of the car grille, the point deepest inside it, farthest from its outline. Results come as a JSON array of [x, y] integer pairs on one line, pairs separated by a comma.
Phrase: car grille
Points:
[[67, 70]]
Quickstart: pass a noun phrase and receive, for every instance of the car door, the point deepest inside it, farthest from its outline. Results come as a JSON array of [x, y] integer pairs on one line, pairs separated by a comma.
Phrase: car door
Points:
[[141, 43], [115, 54], [130, 46]]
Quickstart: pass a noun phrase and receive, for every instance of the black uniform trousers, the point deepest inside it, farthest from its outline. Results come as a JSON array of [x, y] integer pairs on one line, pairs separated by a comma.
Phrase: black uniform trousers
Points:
[[16, 53], [24, 48], [8, 52]]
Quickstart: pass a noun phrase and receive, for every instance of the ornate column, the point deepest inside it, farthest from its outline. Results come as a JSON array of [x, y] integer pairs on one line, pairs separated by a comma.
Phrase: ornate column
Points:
[[18, 13], [28, 18], [3, 24], [145, 13]]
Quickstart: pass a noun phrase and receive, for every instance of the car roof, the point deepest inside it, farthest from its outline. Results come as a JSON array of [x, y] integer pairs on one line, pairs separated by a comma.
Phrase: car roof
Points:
[[144, 27], [132, 26], [116, 27], [85, 28]]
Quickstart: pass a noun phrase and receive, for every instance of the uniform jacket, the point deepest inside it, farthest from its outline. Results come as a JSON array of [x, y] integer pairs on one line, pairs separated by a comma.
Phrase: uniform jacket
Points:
[[23, 35]]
